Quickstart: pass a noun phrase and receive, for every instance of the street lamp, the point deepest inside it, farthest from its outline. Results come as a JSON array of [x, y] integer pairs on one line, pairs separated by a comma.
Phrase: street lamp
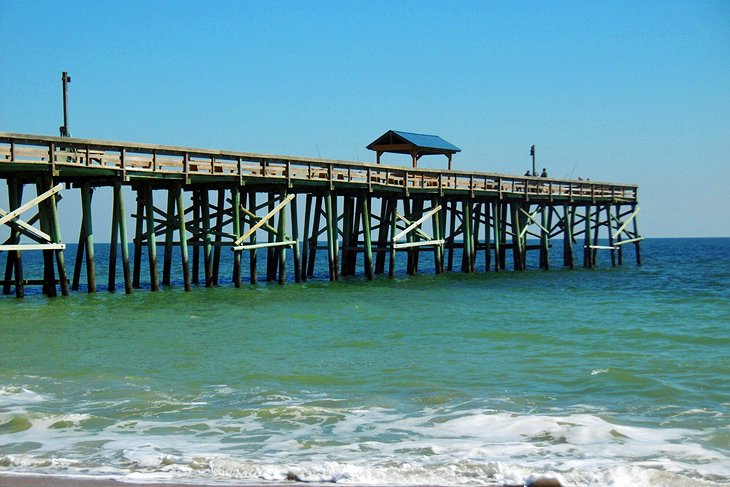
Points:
[[532, 153], [65, 80]]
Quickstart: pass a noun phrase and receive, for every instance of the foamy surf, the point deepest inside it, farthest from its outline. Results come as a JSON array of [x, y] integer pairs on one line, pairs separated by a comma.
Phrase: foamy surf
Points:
[[373, 446]]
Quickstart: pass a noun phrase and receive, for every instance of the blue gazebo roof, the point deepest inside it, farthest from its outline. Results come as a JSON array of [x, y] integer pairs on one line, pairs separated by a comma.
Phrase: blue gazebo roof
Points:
[[417, 145]]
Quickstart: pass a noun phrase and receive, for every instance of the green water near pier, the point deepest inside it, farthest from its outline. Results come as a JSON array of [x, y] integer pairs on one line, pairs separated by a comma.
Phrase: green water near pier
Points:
[[613, 376]]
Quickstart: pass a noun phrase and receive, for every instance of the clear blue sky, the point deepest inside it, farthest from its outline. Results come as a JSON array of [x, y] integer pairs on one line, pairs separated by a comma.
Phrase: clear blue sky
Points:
[[624, 91]]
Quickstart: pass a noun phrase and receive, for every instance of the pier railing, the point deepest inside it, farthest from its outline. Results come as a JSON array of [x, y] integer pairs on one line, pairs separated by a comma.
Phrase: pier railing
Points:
[[133, 160]]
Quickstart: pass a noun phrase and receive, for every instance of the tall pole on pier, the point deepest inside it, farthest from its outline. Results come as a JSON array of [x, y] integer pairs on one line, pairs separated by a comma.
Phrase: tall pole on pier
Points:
[[532, 154], [65, 80]]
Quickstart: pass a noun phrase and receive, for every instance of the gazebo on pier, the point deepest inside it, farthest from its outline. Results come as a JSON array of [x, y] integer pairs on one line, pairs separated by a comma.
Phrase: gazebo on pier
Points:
[[417, 145]]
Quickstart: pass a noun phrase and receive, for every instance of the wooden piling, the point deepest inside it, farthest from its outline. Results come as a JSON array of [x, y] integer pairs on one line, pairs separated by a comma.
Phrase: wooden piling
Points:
[[151, 240], [169, 232], [79, 261], [112, 274], [252, 240], [336, 232], [49, 276], [347, 224], [596, 229], [383, 232], [139, 221], [183, 236], [416, 213], [54, 232], [331, 221], [516, 237], [313, 239], [122, 226], [280, 238], [305, 239], [544, 240], [452, 235], [620, 256], [497, 230], [477, 216], [296, 254], [487, 237], [368, 258], [198, 234], [408, 214], [355, 237], [237, 226], [207, 244], [503, 236], [270, 250], [393, 229], [220, 212], [438, 248], [88, 236], [14, 264], [609, 225], [587, 250], [568, 236], [637, 243]]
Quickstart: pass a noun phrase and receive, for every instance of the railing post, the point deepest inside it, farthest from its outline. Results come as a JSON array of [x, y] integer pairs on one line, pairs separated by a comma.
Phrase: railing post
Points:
[[123, 163], [52, 157]]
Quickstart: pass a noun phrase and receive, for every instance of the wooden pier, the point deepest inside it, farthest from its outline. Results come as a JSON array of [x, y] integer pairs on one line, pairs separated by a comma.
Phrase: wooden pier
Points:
[[251, 203]]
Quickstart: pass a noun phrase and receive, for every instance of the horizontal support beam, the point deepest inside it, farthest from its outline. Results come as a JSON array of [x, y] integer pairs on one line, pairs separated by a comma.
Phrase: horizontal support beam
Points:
[[285, 243], [422, 243], [22, 247]]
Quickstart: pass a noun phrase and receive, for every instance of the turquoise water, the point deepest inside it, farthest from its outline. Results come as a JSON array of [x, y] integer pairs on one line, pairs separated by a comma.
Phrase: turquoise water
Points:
[[613, 376]]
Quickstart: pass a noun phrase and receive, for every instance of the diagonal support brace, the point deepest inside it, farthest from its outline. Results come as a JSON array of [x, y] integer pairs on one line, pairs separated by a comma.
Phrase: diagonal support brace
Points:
[[265, 219]]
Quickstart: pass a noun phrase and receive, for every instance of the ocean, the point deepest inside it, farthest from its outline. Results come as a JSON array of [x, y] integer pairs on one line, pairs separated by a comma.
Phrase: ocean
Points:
[[603, 377]]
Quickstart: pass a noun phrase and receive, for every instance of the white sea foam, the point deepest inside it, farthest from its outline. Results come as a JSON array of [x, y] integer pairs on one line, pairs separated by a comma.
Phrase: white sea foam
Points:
[[13, 395], [373, 446]]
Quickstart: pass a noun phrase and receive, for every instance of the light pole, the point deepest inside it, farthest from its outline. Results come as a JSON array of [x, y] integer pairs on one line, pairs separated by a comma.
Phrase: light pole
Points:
[[65, 80], [532, 153]]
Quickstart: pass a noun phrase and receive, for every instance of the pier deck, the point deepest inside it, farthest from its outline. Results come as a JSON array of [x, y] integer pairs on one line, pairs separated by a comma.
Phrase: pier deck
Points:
[[376, 210]]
